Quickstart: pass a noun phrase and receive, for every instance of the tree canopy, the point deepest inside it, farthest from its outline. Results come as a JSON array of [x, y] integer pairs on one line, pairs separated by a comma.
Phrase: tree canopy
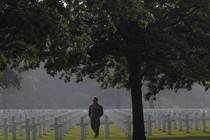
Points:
[[29, 30], [121, 43]]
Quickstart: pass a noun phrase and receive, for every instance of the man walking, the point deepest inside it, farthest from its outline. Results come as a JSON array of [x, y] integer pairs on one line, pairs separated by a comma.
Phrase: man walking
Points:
[[95, 112]]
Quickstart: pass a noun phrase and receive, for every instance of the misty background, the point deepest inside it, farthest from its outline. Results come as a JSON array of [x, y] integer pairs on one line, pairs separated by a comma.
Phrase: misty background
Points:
[[41, 91]]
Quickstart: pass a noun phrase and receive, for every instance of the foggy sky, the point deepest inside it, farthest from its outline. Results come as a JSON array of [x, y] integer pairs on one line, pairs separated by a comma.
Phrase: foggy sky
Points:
[[40, 90]]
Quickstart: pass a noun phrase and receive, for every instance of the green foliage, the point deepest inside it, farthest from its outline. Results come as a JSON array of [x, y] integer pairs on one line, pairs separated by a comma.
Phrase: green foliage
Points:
[[168, 39], [115, 28], [180, 50], [29, 30]]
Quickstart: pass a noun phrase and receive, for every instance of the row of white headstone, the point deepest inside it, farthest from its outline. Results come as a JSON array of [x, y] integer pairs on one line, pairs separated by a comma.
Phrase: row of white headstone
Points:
[[163, 119], [63, 120], [38, 121], [60, 120], [84, 126], [122, 119]]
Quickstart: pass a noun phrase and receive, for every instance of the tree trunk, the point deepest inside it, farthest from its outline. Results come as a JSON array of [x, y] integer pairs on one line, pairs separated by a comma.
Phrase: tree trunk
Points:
[[136, 95]]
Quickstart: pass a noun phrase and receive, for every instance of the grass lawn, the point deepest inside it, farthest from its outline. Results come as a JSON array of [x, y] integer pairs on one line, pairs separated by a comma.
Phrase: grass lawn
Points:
[[117, 134], [181, 135]]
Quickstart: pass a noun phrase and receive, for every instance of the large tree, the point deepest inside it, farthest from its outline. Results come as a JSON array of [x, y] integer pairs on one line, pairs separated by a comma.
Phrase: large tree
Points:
[[164, 43], [121, 43]]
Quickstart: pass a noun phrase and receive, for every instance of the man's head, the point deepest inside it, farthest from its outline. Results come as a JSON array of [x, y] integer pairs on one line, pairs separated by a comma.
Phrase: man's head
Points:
[[95, 99]]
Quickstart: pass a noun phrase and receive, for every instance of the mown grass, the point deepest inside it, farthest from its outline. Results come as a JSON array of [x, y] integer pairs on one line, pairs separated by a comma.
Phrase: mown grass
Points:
[[181, 135], [117, 134]]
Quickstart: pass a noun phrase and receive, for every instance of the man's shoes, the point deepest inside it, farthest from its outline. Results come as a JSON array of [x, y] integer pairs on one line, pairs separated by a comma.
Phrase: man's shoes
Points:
[[96, 135]]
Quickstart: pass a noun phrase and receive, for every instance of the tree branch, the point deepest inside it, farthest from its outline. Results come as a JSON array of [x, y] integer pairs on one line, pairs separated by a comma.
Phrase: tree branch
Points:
[[182, 17]]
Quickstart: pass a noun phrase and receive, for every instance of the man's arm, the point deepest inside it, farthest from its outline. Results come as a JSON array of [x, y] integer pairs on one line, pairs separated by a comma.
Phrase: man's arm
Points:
[[101, 111], [89, 111]]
